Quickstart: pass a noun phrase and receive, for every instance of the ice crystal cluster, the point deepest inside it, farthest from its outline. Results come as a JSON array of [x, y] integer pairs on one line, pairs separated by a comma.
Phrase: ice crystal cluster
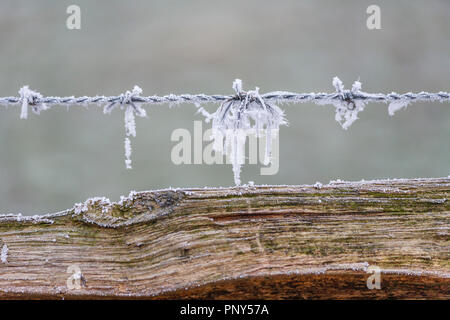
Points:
[[347, 109], [103, 203], [244, 114]]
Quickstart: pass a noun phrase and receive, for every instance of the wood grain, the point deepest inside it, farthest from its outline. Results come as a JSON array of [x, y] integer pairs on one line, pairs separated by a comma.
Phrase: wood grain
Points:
[[262, 242]]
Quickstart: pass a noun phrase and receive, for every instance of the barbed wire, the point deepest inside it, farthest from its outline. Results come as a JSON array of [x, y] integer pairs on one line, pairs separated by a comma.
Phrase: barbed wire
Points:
[[241, 111], [276, 96]]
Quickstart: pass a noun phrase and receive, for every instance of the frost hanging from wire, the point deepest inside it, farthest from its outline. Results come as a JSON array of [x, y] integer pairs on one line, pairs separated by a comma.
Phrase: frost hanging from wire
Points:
[[395, 106], [131, 109], [128, 153], [243, 114]]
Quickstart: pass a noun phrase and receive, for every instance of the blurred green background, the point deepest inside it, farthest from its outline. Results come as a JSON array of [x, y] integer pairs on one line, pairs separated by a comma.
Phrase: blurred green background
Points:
[[51, 161]]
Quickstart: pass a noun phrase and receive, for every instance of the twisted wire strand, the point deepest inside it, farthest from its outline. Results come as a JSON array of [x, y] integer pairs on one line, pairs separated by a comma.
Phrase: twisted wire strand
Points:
[[276, 96], [85, 100]]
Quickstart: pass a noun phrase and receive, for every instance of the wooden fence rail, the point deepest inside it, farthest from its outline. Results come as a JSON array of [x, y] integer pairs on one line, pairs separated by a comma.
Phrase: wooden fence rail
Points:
[[261, 242]]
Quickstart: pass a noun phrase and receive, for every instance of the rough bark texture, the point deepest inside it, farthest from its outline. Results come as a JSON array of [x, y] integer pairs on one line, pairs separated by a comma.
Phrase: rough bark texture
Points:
[[245, 242]]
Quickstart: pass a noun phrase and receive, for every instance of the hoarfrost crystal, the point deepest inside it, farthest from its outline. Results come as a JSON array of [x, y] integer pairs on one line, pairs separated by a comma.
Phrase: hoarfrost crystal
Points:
[[347, 108], [237, 117], [394, 106], [126, 100], [128, 153], [30, 98]]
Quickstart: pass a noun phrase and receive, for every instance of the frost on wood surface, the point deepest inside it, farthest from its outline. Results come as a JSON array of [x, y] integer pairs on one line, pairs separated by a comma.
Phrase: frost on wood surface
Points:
[[4, 254], [102, 203], [103, 212], [238, 115]]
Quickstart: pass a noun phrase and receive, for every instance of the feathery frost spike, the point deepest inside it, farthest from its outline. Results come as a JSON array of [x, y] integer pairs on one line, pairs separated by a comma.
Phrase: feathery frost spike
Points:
[[30, 98], [239, 116], [338, 84], [131, 109], [128, 153], [130, 123], [237, 86]]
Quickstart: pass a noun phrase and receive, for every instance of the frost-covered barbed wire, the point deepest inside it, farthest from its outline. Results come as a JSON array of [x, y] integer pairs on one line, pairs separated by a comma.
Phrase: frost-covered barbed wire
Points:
[[237, 115], [34, 99]]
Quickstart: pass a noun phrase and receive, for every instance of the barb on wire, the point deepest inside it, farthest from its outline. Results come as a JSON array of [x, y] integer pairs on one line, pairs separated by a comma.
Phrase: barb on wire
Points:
[[237, 114], [347, 107], [199, 99], [30, 98], [241, 115]]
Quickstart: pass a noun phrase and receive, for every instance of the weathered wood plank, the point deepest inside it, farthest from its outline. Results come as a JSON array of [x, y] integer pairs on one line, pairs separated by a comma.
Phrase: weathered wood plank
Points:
[[242, 242]]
